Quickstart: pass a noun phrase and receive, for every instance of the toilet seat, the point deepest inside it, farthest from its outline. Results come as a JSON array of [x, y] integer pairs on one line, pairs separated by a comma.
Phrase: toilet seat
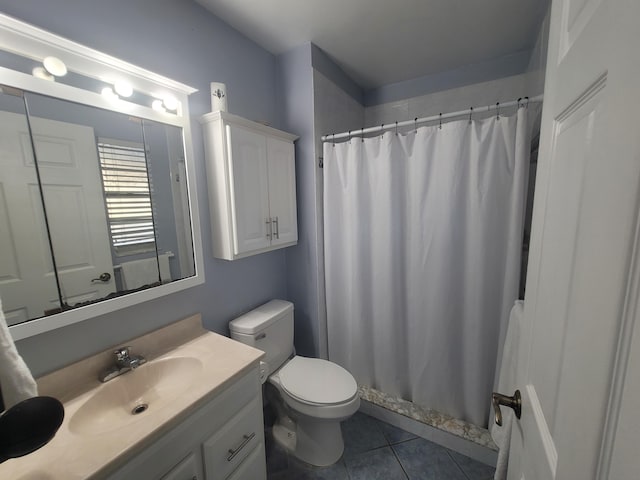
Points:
[[317, 382]]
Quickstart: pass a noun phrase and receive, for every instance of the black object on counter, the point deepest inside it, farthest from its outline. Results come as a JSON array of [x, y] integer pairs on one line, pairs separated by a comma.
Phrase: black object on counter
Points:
[[29, 425]]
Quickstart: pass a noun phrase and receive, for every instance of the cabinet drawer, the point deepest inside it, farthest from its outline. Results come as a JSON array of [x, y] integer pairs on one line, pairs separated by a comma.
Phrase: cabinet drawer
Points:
[[230, 445], [253, 467], [187, 469]]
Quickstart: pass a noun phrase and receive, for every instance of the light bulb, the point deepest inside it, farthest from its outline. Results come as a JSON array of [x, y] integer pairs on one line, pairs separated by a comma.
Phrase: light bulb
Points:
[[123, 88], [55, 66], [170, 103], [40, 72], [158, 106], [108, 93]]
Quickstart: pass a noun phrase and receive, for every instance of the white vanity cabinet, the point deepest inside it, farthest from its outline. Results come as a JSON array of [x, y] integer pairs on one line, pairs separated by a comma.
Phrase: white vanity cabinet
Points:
[[221, 440], [252, 186]]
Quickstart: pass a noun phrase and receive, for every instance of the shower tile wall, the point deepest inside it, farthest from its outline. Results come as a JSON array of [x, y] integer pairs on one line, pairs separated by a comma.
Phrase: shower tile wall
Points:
[[334, 111], [476, 95]]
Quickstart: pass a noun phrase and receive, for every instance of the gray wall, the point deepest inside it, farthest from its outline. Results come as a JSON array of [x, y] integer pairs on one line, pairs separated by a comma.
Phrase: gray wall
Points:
[[506, 66], [538, 62], [183, 41], [295, 88]]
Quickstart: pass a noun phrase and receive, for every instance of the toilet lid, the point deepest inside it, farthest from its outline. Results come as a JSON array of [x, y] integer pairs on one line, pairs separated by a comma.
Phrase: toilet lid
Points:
[[315, 380]]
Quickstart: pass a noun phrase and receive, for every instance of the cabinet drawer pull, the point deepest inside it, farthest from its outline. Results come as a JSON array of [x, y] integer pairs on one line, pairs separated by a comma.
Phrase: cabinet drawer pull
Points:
[[234, 451], [277, 230], [269, 229]]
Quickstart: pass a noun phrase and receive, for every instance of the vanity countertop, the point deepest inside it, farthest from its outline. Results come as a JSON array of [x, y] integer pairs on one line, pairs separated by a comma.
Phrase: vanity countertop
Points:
[[75, 455]]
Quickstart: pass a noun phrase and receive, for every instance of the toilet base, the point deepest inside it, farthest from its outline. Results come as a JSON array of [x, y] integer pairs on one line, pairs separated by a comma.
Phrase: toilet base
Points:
[[315, 442], [284, 433]]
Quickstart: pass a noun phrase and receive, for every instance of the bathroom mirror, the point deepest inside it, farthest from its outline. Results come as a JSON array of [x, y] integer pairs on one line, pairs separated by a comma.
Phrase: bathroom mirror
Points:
[[97, 202]]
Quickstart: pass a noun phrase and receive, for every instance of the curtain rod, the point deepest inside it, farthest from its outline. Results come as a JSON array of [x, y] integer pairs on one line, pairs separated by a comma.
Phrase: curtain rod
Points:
[[362, 131]]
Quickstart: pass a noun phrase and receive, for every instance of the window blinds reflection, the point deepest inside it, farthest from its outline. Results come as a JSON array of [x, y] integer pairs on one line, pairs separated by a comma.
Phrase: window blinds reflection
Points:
[[127, 194]]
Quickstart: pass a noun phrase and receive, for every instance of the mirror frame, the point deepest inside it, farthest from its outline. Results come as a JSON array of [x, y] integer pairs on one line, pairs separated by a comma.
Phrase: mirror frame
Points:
[[32, 42]]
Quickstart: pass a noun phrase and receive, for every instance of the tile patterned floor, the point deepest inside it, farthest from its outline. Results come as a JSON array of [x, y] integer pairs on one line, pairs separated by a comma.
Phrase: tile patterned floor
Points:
[[375, 450]]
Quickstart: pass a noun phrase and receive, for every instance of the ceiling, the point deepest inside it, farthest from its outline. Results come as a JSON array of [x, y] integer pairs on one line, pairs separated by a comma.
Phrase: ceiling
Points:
[[378, 42]]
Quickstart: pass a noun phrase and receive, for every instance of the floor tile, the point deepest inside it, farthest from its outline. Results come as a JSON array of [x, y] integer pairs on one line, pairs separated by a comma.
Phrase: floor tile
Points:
[[368, 456], [302, 471], [361, 433], [425, 460], [277, 457], [472, 469], [378, 464]]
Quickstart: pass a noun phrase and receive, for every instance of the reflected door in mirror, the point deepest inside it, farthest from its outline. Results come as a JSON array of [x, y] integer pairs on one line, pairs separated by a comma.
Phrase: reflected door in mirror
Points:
[[72, 192], [27, 279]]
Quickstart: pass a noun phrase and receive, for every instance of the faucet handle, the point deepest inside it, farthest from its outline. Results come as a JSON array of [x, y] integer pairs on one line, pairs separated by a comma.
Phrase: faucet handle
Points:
[[122, 353]]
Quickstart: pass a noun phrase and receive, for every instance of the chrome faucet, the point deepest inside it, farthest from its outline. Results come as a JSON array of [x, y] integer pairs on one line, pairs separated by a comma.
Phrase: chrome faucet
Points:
[[124, 362]]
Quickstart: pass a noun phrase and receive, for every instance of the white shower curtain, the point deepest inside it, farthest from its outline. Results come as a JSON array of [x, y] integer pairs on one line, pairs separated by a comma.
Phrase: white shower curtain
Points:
[[423, 238]]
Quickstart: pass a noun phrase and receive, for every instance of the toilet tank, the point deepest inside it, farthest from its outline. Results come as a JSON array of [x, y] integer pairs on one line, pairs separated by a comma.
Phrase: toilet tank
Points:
[[269, 328]]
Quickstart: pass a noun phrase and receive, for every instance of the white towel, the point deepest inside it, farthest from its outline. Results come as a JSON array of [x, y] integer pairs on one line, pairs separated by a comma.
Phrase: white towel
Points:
[[165, 270], [15, 378], [507, 384], [138, 273]]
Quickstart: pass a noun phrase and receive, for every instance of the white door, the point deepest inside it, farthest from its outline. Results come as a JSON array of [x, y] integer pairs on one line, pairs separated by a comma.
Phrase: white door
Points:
[[582, 289], [72, 188], [250, 192], [27, 281], [282, 191]]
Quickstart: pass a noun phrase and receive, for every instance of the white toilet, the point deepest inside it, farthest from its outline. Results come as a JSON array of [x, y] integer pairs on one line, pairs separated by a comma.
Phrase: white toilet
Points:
[[313, 395]]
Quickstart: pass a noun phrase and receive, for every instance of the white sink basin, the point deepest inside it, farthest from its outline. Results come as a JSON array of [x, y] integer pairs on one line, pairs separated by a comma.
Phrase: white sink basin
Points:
[[129, 397]]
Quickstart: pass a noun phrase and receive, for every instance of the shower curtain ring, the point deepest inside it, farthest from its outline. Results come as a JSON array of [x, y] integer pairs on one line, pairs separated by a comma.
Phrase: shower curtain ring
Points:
[[415, 124], [349, 137], [396, 128], [382, 131], [334, 140], [527, 99], [470, 113], [362, 133], [440, 122], [498, 111]]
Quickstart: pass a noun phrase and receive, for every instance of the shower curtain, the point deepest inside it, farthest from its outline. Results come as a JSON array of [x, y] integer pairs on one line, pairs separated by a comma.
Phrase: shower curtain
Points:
[[423, 238]]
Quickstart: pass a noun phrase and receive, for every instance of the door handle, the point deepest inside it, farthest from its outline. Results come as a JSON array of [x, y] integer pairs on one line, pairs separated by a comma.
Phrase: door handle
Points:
[[105, 277], [514, 402], [277, 230]]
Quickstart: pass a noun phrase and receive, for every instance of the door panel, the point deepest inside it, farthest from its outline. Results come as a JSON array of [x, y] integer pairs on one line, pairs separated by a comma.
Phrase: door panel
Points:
[[250, 191], [27, 283], [583, 239], [282, 190], [72, 189]]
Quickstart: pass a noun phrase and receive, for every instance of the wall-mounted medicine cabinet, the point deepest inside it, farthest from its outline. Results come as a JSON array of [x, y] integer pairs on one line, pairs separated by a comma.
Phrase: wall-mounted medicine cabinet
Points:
[[98, 208], [252, 186]]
